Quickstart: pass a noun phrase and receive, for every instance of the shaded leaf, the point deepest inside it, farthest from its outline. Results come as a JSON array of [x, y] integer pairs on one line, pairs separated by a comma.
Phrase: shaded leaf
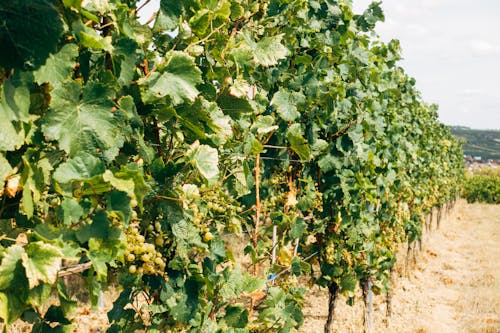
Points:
[[11, 258], [82, 167], [5, 169], [298, 143], [58, 66]]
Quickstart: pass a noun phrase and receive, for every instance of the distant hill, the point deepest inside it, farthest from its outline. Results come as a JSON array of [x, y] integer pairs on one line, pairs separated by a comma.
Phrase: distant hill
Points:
[[484, 143]]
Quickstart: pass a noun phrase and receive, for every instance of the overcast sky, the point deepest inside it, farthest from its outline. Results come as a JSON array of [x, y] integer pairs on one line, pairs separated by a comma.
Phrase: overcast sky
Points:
[[452, 49]]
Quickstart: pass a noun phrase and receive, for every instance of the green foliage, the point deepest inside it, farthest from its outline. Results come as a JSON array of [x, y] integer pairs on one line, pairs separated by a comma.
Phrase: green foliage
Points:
[[148, 153], [482, 188], [484, 143]]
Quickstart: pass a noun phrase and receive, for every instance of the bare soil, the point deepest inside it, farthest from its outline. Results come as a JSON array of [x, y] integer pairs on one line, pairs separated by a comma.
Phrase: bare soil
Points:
[[453, 288]]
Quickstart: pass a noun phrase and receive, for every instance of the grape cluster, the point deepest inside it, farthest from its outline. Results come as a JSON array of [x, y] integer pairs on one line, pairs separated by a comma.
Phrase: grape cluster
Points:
[[330, 253], [211, 208], [288, 282], [177, 328], [142, 256]]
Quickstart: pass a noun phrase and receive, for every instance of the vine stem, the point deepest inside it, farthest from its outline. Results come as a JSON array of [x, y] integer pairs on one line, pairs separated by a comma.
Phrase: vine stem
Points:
[[368, 300], [156, 130], [333, 292]]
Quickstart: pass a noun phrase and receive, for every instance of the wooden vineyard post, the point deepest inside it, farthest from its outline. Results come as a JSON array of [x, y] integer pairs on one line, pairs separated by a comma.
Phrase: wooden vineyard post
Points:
[[275, 244], [388, 300], [255, 236]]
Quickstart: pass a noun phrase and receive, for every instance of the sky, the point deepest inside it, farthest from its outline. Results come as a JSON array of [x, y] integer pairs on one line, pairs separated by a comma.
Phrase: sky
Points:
[[451, 48]]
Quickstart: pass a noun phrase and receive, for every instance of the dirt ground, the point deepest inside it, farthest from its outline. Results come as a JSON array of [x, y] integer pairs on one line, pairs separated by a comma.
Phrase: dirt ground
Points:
[[453, 288]]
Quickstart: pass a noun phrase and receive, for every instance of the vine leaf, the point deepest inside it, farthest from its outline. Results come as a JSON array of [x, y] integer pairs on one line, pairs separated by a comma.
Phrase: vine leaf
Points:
[[71, 211], [168, 15], [11, 136], [81, 118], [127, 173], [29, 31], [285, 103], [82, 167], [14, 110], [11, 257], [269, 50], [264, 125], [42, 262], [58, 66], [239, 283], [90, 38], [297, 142], [124, 185], [12, 280], [177, 80], [205, 159], [11, 307], [5, 171]]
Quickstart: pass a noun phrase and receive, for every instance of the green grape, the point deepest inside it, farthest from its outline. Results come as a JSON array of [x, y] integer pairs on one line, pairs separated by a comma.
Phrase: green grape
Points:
[[159, 241]]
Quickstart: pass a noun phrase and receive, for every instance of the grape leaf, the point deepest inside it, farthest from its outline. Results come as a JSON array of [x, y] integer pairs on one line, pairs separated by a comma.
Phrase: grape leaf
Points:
[[298, 143], [11, 135], [134, 173], [126, 185], [285, 103], [90, 38], [5, 170], [11, 307], [81, 118], [14, 111], [15, 99], [58, 66], [82, 167], [71, 211], [269, 50], [177, 80], [11, 257], [205, 159], [28, 33], [42, 262], [168, 15]]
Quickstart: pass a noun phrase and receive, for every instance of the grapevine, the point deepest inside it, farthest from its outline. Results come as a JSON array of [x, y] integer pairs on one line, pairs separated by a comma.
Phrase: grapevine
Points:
[[149, 153]]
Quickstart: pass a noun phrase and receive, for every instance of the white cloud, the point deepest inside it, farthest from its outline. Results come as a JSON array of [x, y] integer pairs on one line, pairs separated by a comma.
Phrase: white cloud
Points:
[[417, 30], [452, 48], [483, 48]]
